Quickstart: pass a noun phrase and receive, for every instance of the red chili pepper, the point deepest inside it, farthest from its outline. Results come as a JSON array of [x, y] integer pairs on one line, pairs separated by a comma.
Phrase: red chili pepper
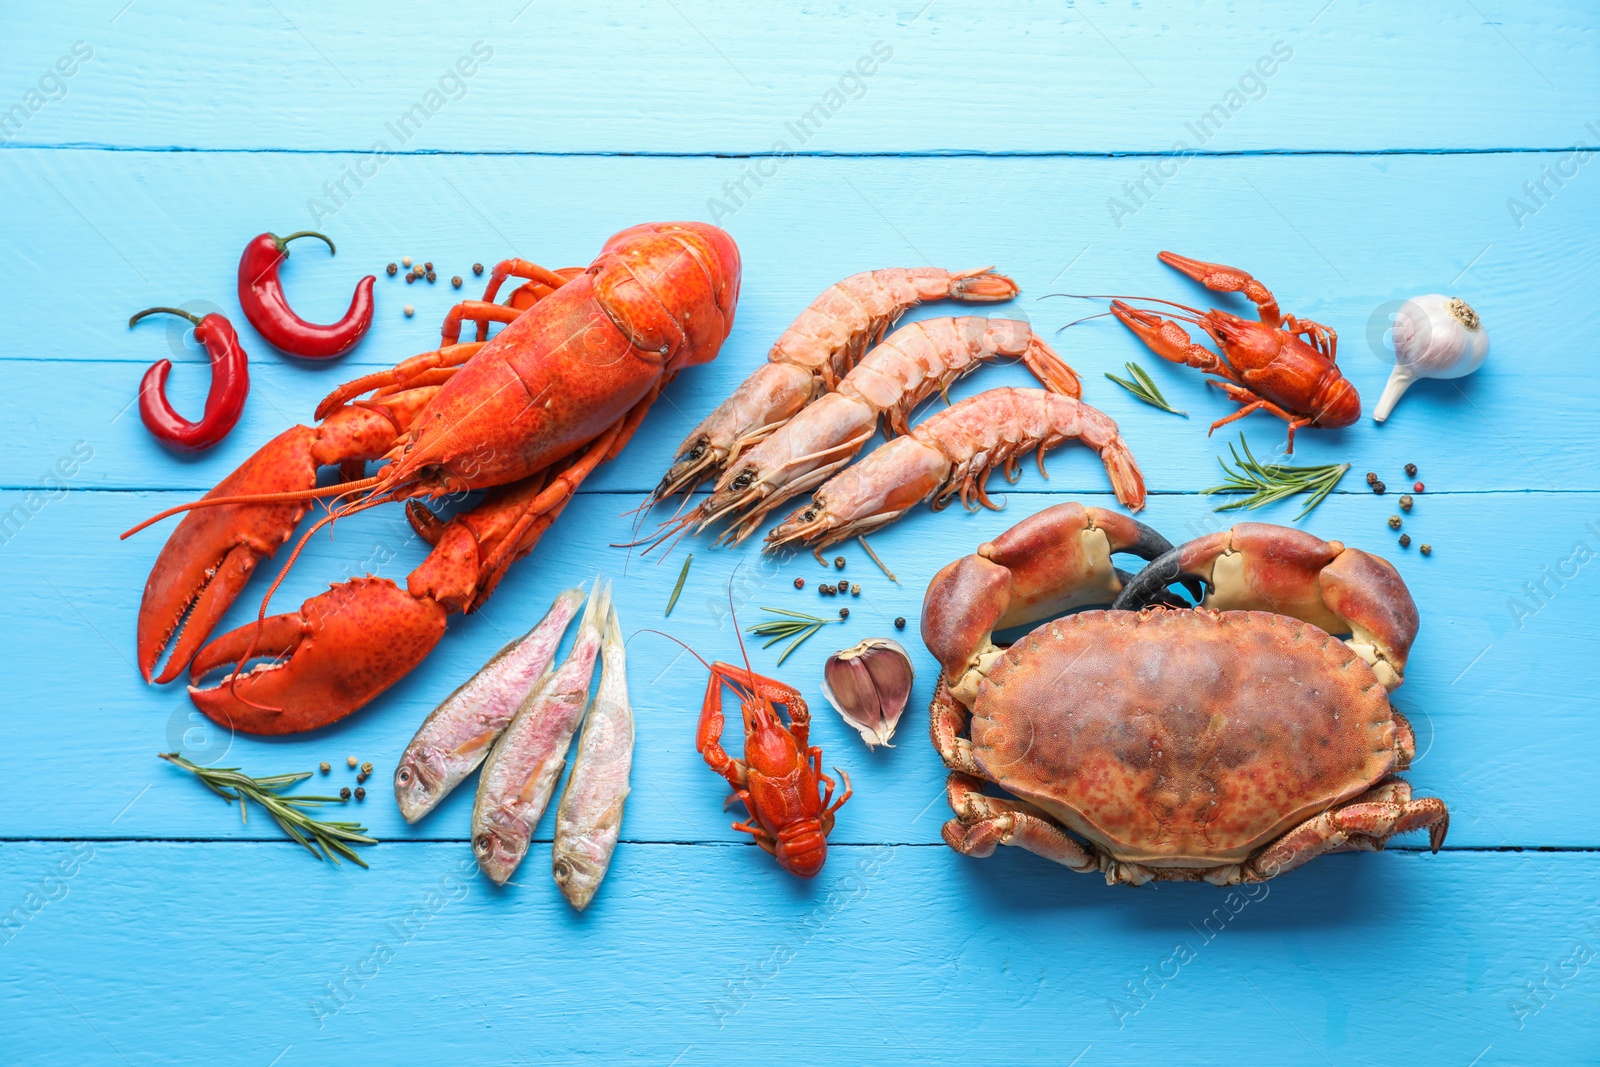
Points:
[[230, 384], [261, 294]]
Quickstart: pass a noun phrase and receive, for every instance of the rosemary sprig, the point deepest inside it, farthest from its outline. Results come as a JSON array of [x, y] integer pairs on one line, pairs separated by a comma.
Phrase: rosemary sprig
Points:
[[671, 603], [1144, 387], [1269, 482], [230, 784], [797, 625]]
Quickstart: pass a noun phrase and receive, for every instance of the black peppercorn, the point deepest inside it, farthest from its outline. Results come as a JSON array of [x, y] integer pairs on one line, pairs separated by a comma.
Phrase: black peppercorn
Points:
[[900, 623], [410, 277], [1372, 477], [427, 266], [344, 792], [361, 794], [392, 269], [1411, 470], [844, 613], [838, 562], [799, 583], [432, 277], [456, 281], [1405, 540], [1379, 488], [477, 268]]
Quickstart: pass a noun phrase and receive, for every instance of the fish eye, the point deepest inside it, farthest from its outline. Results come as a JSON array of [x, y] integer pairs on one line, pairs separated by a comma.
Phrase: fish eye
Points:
[[403, 775]]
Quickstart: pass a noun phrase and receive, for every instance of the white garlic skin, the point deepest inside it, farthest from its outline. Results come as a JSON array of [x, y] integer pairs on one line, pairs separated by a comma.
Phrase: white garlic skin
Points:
[[1434, 337]]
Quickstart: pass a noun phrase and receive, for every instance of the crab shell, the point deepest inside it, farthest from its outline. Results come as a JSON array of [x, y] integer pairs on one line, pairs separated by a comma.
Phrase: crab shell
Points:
[[1184, 738], [1228, 742]]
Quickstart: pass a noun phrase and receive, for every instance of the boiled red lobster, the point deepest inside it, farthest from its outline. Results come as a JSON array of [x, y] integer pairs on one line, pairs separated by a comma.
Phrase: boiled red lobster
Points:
[[1281, 364], [527, 415]]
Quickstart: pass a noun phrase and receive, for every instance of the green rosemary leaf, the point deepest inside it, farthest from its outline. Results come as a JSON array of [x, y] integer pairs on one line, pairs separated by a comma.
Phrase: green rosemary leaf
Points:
[[673, 601], [231, 784], [1144, 388], [1260, 484]]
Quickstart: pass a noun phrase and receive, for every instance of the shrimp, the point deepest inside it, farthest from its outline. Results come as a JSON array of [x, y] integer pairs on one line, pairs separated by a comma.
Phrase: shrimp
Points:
[[891, 380], [813, 354], [952, 453]]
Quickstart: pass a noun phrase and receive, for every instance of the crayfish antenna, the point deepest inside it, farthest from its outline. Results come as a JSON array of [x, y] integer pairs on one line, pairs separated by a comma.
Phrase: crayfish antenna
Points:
[[336, 490]]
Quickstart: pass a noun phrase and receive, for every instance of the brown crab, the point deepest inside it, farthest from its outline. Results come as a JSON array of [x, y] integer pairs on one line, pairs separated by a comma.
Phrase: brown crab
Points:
[[1229, 742]]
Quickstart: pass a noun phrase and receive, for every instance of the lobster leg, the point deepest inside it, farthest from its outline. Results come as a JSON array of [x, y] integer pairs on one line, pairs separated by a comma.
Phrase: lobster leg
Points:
[[408, 373], [1222, 279]]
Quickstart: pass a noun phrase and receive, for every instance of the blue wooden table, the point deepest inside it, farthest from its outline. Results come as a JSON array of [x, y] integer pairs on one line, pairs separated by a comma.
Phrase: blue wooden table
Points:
[[1349, 154]]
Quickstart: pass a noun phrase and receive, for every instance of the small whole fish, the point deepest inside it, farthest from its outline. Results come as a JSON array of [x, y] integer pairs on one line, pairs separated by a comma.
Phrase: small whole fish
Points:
[[590, 816], [455, 738], [520, 774]]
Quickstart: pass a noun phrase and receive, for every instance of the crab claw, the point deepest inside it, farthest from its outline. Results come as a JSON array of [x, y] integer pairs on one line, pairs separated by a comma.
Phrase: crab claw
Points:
[[1257, 566], [341, 649], [1052, 562]]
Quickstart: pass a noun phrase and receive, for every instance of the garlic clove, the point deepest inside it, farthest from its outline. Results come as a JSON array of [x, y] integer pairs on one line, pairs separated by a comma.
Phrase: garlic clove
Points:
[[869, 686], [1434, 337]]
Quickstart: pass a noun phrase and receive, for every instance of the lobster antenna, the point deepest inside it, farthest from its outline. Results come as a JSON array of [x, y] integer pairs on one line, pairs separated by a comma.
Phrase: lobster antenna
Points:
[[337, 489]]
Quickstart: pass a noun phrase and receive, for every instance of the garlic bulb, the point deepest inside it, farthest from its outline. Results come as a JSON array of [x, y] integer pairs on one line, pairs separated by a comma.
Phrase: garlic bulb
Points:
[[1434, 337], [869, 685]]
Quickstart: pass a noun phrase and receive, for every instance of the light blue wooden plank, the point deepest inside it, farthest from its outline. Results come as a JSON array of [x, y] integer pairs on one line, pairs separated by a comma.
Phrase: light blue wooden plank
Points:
[[703, 77], [1421, 224], [1499, 683], [174, 954]]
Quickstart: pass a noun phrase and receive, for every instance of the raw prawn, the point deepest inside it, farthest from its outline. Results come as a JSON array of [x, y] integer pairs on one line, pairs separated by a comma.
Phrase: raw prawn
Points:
[[916, 362], [952, 453], [811, 357]]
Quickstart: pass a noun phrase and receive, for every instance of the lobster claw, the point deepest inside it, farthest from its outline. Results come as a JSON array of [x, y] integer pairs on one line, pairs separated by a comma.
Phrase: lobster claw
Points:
[[211, 555], [341, 649]]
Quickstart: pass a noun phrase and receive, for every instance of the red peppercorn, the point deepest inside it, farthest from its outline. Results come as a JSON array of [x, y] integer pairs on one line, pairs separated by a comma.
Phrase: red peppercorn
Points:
[[1417, 487], [799, 583]]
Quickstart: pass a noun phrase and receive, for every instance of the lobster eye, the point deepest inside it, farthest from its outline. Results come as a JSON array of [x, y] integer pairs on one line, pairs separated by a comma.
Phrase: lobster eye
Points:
[[743, 481], [697, 451], [811, 513]]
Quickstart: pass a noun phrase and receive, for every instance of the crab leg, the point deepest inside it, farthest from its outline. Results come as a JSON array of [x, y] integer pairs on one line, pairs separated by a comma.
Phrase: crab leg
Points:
[[1376, 815], [983, 823]]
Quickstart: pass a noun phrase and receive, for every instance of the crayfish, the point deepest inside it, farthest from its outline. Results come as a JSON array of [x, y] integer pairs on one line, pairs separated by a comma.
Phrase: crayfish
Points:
[[790, 814], [1281, 364]]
